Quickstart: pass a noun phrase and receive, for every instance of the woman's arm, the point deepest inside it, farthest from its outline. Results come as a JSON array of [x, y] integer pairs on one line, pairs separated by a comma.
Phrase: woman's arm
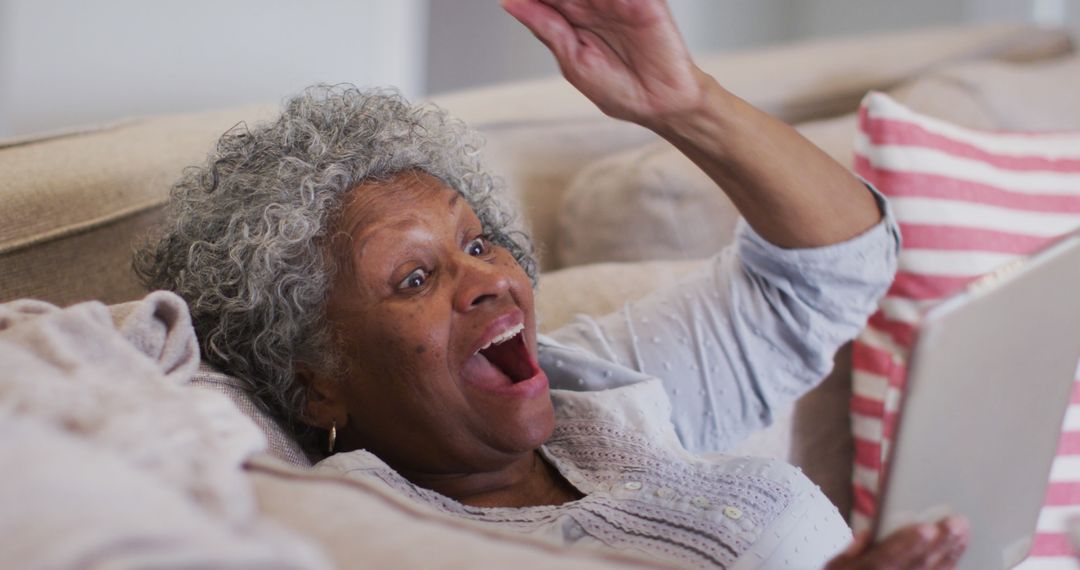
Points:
[[629, 59], [759, 326], [737, 340]]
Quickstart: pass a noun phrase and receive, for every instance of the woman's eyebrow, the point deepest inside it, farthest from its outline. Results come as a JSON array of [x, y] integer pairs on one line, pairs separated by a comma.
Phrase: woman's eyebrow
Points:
[[453, 200]]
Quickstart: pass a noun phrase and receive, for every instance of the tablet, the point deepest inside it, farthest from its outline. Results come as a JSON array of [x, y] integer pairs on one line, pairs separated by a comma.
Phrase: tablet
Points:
[[989, 379]]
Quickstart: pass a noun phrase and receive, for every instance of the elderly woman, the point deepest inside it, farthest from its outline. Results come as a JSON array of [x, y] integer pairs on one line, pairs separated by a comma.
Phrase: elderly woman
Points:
[[354, 264]]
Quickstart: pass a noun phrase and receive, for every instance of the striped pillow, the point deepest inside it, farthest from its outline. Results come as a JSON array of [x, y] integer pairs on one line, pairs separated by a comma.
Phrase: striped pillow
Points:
[[967, 202]]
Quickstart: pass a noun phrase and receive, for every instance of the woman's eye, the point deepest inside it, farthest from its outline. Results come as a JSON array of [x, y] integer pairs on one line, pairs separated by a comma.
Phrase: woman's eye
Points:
[[415, 279], [477, 247]]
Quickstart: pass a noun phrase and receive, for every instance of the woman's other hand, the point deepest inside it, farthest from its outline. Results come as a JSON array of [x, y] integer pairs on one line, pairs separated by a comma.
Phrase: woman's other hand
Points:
[[626, 56], [917, 547]]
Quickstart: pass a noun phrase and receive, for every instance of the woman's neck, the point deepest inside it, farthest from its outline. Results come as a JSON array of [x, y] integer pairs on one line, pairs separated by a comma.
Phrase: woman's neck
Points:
[[527, 482]]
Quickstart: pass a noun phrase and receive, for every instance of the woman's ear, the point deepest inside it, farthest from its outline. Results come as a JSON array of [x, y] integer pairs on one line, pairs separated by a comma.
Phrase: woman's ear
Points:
[[325, 402]]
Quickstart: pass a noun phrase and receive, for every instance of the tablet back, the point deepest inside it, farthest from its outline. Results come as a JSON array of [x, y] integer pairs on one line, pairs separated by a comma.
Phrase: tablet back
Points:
[[989, 380]]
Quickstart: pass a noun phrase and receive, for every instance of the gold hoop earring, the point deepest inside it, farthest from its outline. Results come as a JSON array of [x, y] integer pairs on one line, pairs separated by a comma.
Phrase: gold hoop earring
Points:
[[333, 436]]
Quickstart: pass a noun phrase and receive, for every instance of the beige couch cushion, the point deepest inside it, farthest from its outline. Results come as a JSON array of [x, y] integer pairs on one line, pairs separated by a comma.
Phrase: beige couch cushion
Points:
[[1039, 96], [75, 204], [653, 203], [602, 288], [94, 263], [279, 444], [649, 203], [69, 502]]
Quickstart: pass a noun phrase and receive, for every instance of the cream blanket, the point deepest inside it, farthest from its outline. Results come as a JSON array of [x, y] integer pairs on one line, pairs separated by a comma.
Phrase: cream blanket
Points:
[[110, 460]]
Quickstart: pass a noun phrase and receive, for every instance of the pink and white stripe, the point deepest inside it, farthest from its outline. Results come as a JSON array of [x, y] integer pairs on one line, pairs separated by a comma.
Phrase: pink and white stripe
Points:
[[967, 202]]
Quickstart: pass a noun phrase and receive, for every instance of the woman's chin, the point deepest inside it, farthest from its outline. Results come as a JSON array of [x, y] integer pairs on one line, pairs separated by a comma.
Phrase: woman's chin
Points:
[[518, 413], [533, 435], [530, 425]]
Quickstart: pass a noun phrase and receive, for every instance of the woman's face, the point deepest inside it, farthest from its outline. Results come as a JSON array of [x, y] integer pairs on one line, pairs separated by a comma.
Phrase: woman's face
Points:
[[437, 333]]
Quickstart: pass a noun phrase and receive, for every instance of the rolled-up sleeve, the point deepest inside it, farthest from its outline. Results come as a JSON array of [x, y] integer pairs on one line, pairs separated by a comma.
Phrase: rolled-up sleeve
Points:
[[745, 335]]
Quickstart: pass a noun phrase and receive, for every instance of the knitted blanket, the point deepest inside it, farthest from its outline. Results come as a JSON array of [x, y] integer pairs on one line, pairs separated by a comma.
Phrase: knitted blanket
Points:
[[111, 460]]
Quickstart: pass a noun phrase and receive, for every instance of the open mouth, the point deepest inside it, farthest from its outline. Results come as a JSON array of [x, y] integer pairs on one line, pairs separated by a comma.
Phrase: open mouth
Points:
[[508, 354]]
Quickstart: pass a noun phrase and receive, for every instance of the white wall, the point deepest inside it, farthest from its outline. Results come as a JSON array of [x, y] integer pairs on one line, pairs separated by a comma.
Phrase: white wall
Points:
[[818, 18], [5, 50], [67, 62], [1046, 11], [744, 23], [475, 42]]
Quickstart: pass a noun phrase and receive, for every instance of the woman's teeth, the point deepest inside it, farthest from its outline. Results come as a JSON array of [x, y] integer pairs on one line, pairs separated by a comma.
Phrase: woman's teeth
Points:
[[505, 336]]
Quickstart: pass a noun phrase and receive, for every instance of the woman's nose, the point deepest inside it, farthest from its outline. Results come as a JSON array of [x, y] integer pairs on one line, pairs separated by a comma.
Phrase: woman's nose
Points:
[[480, 281]]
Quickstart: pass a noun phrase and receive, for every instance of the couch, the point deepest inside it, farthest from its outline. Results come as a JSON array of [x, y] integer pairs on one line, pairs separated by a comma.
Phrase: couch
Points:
[[615, 213]]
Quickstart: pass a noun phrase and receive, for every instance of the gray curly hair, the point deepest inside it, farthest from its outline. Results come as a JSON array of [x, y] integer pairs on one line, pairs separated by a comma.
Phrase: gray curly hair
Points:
[[247, 238]]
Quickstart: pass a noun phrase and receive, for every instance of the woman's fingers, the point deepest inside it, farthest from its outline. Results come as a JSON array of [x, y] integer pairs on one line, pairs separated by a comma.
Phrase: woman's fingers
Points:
[[936, 555], [905, 549], [931, 546], [846, 558], [958, 533], [547, 24], [626, 56], [952, 540]]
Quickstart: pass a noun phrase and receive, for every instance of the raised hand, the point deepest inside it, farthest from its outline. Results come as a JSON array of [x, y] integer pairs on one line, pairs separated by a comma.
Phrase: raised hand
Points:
[[919, 547], [625, 55], [628, 58]]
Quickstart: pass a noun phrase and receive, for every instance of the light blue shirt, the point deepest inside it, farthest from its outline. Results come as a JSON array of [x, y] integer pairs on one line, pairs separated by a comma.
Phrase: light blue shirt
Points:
[[739, 339]]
